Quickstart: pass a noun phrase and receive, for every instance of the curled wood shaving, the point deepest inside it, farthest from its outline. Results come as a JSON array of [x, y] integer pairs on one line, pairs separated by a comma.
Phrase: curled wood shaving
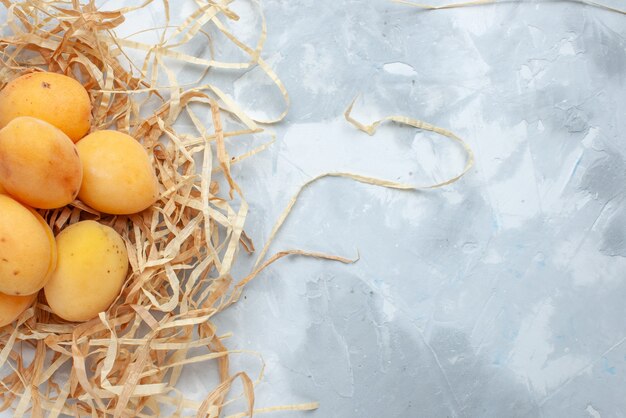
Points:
[[371, 130], [483, 2], [444, 6]]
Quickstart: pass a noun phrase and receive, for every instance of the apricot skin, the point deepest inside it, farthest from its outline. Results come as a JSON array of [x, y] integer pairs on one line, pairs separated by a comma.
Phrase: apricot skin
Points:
[[28, 251], [118, 176], [90, 272], [39, 164], [55, 98], [12, 306]]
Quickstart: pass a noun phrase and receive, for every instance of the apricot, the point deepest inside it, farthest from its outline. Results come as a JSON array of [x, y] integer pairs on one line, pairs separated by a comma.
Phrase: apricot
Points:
[[118, 176], [27, 249], [39, 164], [90, 272], [58, 99], [12, 306]]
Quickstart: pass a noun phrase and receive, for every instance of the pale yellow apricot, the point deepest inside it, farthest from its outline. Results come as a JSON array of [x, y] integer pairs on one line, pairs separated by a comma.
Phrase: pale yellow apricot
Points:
[[118, 176], [55, 98], [91, 269], [12, 306], [27, 249], [39, 164]]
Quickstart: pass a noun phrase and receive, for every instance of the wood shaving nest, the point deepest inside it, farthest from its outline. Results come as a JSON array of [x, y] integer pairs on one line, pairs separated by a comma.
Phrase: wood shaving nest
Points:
[[127, 362]]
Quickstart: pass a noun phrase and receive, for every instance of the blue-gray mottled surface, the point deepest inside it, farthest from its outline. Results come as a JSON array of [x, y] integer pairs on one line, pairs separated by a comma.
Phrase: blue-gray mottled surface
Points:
[[499, 296]]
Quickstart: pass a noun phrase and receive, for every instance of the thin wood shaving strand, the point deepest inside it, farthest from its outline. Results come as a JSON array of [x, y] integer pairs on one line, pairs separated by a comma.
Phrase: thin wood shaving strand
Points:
[[371, 129], [445, 6], [483, 2], [404, 120]]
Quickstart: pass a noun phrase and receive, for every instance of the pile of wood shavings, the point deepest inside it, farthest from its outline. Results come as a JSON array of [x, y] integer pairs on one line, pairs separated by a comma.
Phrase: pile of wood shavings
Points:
[[126, 362]]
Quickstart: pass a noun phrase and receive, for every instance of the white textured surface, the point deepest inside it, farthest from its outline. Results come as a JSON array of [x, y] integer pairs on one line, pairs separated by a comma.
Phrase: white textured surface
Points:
[[499, 296]]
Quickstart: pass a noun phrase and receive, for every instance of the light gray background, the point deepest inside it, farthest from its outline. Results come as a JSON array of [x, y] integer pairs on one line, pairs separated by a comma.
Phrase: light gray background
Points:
[[499, 296]]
